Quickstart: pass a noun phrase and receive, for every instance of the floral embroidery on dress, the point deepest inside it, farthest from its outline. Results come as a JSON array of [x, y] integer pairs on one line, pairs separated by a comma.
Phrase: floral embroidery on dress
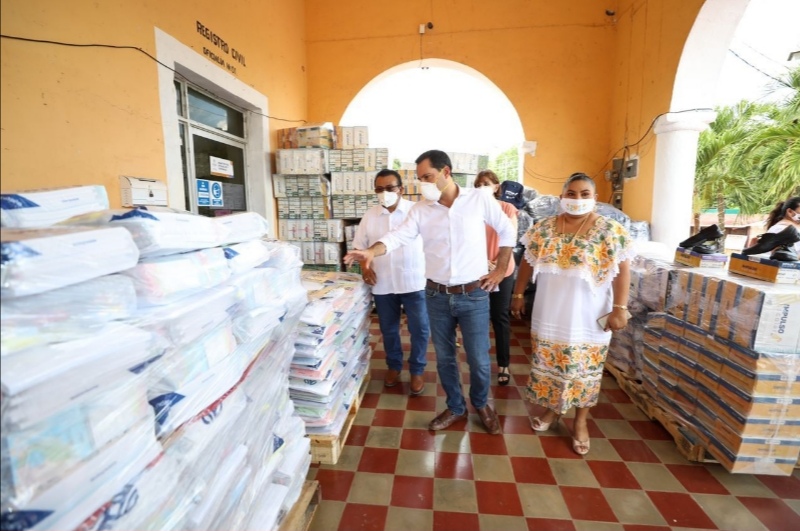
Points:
[[565, 375], [595, 255]]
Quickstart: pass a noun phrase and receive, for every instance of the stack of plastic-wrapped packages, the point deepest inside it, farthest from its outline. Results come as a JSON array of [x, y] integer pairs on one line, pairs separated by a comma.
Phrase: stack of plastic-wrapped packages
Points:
[[331, 351], [145, 357]]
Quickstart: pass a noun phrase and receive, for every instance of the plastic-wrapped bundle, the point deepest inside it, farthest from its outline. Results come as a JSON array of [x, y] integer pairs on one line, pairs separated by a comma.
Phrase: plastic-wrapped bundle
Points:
[[283, 255], [164, 280], [524, 222], [41, 208], [604, 209], [38, 260], [640, 231], [64, 314], [159, 231], [544, 206], [75, 421], [247, 255], [241, 227], [184, 321]]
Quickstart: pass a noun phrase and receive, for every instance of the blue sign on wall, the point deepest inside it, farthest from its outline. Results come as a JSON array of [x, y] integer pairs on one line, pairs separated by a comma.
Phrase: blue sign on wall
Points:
[[203, 192], [216, 194]]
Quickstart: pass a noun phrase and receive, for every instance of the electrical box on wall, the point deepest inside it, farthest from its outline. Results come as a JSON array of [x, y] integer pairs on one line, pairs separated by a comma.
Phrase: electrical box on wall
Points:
[[138, 191]]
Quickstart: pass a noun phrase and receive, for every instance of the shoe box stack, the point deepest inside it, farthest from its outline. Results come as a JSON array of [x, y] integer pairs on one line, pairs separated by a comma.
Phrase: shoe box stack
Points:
[[722, 352], [145, 368], [466, 167], [323, 183], [331, 351]]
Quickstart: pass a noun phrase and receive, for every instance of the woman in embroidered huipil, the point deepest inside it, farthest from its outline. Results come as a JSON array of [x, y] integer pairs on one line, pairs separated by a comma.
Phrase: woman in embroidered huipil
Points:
[[580, 262]]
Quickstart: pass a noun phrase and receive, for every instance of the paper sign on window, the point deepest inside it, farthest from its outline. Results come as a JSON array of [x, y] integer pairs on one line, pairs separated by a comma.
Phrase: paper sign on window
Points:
[[221, 167]]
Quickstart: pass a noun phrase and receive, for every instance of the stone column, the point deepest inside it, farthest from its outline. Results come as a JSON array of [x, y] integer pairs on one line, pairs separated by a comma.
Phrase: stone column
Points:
[[676, 158]]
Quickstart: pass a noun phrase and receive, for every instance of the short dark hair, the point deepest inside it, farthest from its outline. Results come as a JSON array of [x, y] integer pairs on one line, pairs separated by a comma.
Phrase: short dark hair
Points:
[[578, 176], [438, 159], [385, 172]]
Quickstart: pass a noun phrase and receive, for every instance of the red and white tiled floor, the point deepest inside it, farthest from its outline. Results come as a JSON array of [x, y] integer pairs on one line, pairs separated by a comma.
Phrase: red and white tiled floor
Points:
[[394, 474]]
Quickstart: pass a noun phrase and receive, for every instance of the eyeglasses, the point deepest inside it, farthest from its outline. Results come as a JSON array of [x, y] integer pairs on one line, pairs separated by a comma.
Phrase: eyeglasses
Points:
[[379, 189]]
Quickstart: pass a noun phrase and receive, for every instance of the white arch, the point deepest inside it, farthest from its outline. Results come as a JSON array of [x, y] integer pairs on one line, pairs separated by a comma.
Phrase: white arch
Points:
[[410, 99], [692, 98]]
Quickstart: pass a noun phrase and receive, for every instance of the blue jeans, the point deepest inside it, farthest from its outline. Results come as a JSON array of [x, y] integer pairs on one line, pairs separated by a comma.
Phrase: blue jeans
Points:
[[388, 307], [470, 311]]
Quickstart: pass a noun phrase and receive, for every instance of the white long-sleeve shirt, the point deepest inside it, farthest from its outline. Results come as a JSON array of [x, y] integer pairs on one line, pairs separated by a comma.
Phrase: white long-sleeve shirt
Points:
[[454, 239], [400, 272]]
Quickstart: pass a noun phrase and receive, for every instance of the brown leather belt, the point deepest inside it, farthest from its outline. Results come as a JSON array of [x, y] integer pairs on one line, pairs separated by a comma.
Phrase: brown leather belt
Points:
[[459, 289]]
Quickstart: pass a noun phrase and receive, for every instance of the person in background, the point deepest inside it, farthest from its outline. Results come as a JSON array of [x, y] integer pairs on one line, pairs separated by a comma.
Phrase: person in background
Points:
[[451, 222], [581, 262], [499, 300], [397, 280], [782, 237]]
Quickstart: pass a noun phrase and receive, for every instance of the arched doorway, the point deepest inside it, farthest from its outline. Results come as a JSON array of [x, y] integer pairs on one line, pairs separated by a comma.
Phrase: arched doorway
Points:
[[690, 113], [436, 104]]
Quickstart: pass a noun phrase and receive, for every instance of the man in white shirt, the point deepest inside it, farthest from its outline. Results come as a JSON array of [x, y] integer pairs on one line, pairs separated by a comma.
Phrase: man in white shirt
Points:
[[451, 221], [397, 280]]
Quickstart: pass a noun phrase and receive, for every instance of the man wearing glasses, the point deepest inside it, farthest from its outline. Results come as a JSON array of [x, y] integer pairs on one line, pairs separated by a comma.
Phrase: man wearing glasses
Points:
[[452, 224], [397, 280]]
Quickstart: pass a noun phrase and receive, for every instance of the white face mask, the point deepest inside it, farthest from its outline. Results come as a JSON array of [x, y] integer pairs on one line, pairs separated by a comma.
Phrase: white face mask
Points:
[[488, 190], [388, 199], [796, 217], [577, 207], [430, 191]]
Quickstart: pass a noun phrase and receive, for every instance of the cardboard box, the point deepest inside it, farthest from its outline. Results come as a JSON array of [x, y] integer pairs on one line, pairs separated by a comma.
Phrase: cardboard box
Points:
[[782, 381], [693, 259], [746, 464], [759, 315], [765, 269], [283, 229], [344, 137], [278, 185], [710, 303], [756, 446], [360, 137], [769, 426], [749, 405], [335, 160]]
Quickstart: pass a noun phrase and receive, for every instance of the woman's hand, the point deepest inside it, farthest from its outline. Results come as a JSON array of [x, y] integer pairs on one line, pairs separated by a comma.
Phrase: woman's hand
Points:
[[517, 307], [617, 320], [492, 265]]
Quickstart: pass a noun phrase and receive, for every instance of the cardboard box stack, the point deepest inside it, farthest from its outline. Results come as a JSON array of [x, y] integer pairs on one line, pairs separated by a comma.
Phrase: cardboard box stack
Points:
[[145, 376], [725, 358], [322, 190]]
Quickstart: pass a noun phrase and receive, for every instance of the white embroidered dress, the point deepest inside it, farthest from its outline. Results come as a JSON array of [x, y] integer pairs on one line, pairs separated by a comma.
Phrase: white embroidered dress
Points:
[[573, 288]]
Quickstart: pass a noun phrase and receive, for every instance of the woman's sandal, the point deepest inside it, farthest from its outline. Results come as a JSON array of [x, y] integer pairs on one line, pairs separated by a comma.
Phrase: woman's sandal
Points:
[[538, 425], [503, 376], [580, 447]]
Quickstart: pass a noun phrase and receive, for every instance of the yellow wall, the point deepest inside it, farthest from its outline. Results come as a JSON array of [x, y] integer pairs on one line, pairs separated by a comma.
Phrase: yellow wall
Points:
[[88, 115], [650, 35], [583, 83], [549, 58]]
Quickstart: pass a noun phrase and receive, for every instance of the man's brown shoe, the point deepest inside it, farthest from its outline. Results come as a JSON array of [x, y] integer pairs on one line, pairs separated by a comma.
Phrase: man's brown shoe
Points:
[[489, 419], [446, 419], [417, 384], [392, 378]]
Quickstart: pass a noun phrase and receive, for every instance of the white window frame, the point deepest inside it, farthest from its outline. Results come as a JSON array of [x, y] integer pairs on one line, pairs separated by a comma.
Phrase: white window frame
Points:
[[202, 73]]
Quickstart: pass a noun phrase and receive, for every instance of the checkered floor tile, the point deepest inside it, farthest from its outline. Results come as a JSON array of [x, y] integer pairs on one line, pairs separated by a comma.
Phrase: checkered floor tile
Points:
[[395, 474]]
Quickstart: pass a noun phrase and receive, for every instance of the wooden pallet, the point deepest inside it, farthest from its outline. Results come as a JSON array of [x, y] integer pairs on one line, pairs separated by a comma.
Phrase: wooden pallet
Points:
[[302, 513], [327, 449], [686, 439]]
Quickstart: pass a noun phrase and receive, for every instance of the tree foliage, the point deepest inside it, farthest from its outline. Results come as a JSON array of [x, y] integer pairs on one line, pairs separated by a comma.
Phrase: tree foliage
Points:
[[506, 165], [750, 156]]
